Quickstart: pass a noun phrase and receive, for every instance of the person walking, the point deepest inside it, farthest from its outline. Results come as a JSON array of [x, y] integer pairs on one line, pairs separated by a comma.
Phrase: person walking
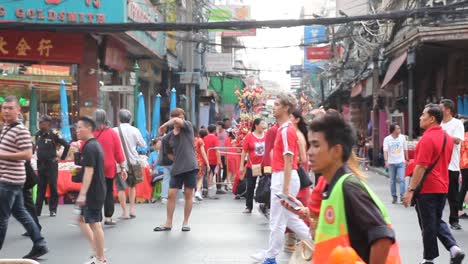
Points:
[[166, 159], [396, 156], [351, 214], [254, 150], [185, 168], [15, 149], [47, 142], [113, 153], [454, 129], [284, 180], [221, 177], [431, 182], [130, 138], [202, 160], [214, 157], [464, 173], [92, 194]]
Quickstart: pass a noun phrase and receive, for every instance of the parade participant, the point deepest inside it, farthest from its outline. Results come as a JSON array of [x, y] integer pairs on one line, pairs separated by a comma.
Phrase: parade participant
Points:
[[396, 156], [455, 129], [222, 135], [184, 170], [15, 149], [270, 137], [232, 159], [284, 181], [203, 164], [93, 189], [130, 138], [464, 172], [47, 142], [301, 131], [113, 153], [214, 157], [431, 181], [254, 149]]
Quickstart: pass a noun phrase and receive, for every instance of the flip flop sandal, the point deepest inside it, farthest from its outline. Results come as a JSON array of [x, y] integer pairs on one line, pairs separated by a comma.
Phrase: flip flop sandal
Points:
[[162, 229], [185, 228], [110, 223]]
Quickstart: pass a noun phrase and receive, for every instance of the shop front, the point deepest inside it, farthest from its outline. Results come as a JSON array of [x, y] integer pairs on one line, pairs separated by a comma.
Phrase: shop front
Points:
[[42, 60]]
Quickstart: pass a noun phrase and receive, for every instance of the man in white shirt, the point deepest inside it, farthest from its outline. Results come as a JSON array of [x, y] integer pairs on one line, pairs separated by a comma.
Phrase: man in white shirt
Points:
[[454, 128], [396, 155], [132, 139]]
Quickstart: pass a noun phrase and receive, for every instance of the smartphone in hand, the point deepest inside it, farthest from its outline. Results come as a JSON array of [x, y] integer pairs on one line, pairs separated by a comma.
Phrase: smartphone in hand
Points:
[[290, 202]]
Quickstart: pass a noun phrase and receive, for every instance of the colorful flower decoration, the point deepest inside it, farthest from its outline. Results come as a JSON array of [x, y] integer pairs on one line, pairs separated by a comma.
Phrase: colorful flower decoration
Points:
[[250, 101]]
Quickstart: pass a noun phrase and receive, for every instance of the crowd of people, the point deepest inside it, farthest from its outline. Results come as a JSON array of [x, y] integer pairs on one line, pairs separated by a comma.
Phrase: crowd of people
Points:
[[340, 209]]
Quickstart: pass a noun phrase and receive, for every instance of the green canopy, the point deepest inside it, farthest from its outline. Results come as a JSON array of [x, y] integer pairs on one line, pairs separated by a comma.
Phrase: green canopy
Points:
[[225, 87]]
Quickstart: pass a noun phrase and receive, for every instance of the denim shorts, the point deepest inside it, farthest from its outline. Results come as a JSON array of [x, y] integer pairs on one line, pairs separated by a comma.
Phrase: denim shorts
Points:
[[186, 179], [91, 216]]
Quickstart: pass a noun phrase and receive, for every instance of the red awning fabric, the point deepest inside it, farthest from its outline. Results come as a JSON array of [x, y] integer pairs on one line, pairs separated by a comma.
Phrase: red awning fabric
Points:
[[356, 90], [393, 68]]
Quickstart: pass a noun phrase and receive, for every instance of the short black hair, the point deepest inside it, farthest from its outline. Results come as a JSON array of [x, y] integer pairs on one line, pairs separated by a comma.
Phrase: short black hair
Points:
[[211, 128], [393, 127], [435, 111], [88, 121], [203, 133], [12, 99], [447, 103], [337, 131], [226, 119], [221, 124]]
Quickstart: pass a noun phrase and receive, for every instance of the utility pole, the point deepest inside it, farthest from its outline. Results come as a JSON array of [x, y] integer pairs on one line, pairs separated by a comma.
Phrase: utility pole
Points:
[[375, 107], [410, 62], [189, 64]]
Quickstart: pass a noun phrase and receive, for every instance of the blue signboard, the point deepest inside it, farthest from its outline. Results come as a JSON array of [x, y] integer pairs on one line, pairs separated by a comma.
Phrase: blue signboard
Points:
[[296, 71], [315, 34], [64, 11], [310, 65], [142, 11]]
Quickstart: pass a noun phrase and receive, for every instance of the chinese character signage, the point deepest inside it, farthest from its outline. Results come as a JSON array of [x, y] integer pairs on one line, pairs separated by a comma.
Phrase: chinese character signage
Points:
[[315, 34], [142, 11], [41, 46], [63, 11]]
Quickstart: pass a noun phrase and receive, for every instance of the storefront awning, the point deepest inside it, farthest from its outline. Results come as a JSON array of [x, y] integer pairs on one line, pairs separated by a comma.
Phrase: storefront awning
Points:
[[393, 68]]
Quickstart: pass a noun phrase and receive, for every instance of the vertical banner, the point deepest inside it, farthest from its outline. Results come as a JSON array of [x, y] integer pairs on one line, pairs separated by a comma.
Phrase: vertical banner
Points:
[[66, 134]]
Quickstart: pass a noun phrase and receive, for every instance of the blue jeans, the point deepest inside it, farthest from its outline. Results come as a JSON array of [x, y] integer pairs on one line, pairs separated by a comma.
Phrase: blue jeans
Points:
[[12, 203], [429, 208], [397, 175], [166, 181]]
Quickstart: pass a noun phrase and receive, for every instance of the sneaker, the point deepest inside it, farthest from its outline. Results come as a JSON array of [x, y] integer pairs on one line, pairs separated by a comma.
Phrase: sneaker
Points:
[[36, 252], [198, 196], [95, 260], [455, 226], [458, 258], [164, 200], [53, 214], [394, 200], [259, 256], [270, 261]]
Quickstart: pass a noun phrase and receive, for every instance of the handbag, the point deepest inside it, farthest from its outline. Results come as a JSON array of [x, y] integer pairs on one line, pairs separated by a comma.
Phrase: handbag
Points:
[[263, 191], [135, 175], [304, 177], [417, 190], [303, 253]]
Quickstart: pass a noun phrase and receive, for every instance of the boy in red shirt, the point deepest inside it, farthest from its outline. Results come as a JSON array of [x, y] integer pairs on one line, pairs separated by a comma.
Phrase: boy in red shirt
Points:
[[214, 157]]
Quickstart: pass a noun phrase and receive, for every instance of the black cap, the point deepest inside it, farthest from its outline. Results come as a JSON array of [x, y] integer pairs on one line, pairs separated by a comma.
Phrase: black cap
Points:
[[45, 118]]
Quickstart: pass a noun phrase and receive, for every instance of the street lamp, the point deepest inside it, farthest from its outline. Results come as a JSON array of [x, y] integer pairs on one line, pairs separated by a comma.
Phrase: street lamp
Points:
[[136, 69], [410, 63]]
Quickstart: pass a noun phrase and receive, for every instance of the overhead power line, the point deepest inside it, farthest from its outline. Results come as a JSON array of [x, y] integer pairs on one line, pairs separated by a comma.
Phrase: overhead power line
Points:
[[238, 25]]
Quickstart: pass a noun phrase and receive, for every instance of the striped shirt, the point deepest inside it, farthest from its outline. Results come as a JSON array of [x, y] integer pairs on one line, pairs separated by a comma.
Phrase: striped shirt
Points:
[[14, 140]]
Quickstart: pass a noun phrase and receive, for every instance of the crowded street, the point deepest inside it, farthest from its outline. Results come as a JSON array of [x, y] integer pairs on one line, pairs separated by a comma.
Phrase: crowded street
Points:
[[220, 234]]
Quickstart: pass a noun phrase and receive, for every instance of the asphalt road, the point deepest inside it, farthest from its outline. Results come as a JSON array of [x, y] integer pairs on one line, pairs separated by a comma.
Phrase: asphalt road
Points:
[[220, 234]]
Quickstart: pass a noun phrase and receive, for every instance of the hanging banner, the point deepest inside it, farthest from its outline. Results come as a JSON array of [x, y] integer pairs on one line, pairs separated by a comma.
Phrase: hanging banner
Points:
[[319, 53]]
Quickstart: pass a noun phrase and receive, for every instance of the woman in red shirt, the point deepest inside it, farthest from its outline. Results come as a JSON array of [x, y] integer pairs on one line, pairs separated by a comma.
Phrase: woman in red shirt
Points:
[[254, 147], [113, 154], [202, 159], [232, 159]]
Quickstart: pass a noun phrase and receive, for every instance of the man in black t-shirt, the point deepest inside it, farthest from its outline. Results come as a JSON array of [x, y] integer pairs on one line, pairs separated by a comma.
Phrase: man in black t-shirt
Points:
[[93, 189]]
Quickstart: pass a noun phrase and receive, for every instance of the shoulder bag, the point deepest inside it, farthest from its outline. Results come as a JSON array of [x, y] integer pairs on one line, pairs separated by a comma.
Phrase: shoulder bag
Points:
[[417, 190], [135, 174]]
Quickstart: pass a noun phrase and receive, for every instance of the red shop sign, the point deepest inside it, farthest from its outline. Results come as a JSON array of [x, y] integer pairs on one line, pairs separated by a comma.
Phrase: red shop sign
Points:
[[319, 53], [41, 46]]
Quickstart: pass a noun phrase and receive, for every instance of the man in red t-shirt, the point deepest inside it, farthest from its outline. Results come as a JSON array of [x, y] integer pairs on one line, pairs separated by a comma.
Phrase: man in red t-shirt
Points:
[[284, 180], [214, 158], [430, 201]]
